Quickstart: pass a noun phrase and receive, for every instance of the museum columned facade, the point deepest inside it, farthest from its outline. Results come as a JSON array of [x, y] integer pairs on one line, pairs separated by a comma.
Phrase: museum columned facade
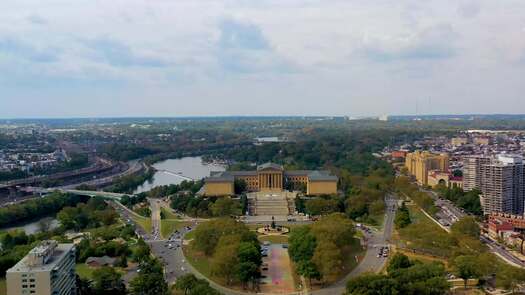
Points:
[[271, 177]]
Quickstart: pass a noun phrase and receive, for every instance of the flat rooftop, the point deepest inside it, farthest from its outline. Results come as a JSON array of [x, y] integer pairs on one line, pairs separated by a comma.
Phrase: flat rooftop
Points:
[[58, 254]]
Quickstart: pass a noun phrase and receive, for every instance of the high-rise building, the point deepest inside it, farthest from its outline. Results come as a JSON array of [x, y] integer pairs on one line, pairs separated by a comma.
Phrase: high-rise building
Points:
[[472, 171], [503, 185], [420, 163], [48, 269]]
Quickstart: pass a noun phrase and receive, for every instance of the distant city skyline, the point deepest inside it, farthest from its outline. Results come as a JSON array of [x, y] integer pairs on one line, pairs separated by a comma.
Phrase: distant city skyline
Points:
[[63, 59]]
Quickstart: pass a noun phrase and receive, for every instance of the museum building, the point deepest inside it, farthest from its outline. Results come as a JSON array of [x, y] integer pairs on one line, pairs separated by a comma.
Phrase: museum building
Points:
[[271, 177]]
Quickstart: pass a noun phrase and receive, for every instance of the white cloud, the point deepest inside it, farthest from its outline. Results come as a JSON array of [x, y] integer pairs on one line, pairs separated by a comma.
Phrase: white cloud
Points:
[[355, 56]]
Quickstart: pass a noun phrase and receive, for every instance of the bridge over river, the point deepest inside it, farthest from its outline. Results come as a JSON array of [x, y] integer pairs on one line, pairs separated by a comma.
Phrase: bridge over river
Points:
[[179, 175], [106, 195]]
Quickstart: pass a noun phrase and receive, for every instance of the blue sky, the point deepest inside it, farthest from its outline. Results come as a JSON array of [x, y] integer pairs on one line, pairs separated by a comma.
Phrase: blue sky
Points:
[[85, 58]]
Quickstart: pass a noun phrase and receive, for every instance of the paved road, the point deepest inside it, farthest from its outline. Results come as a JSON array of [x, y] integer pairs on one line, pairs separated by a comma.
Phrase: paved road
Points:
[[500, 251], [451, 213], [448, 213], [170, 251], [154, 205], [126, 214], [370, 263]]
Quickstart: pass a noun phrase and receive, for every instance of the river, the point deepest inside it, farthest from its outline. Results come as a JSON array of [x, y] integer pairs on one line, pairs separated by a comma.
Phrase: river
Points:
[[34, 227], [174, 171]]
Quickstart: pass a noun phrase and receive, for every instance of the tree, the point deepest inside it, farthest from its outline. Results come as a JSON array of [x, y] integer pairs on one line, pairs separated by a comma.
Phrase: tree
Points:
[[141, 251], [250, 259], [509, 277], [465, 268], [193, 286], [320, 206], [107, 281], [225, 207], [186, 283], [247, 271], [308, 269], [225, 261], [398, 261], [371, 284], [239, 186], [334, 227], [466, 226], [402, 218], [328, 259], [302, 244], [150, 281]]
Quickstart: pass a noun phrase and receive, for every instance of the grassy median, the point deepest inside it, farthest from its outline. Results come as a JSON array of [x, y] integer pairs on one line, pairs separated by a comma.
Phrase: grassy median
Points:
[[168, 226]]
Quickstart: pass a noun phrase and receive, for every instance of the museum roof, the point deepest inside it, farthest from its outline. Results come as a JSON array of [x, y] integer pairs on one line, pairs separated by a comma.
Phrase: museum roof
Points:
[[229, 176], [321, 176], [269, 165], [220, 176]]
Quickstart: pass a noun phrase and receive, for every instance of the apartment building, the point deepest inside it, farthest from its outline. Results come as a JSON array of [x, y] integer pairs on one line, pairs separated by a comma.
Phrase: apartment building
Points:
[[472, 171], [48, 269], [502, 185]]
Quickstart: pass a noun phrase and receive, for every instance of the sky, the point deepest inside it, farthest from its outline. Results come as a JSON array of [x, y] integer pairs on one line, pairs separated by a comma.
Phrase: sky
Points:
[[100, 58]]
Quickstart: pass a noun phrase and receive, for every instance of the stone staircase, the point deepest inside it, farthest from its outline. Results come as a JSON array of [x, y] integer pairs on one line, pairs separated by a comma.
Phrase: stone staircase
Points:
[[271, 206]]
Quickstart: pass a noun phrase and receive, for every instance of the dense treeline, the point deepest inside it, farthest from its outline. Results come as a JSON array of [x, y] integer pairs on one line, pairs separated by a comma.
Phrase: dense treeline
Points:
[[206, 207], [14, 174], [233, 250], [319, 148], [126, 152], [404, 277], [190, 187], [131, 201], [92, 214], [190, 284], [362, 201], [318, 249], [407, 189], [37, 208]]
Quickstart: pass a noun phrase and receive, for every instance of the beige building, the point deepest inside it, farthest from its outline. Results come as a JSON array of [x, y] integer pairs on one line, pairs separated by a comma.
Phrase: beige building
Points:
[[271, 177], [436, 178], [420, 163], [48, 269]]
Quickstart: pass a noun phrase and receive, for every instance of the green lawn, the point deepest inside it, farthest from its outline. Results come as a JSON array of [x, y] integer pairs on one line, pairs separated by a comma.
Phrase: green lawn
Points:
[[190, 235], [143, 222], [198, 260], [3, 287], [168, 226], [84, 271], [168, 214]]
